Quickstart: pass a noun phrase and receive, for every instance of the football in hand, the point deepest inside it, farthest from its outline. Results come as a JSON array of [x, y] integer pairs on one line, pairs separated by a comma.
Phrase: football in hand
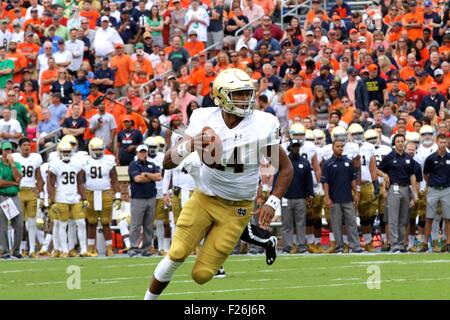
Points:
[[209, 147]]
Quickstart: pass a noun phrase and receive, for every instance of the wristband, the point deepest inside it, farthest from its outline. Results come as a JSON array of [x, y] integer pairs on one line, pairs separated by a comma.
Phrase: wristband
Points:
[[273, 202], [182, 150], [117, 195], [265, 188], [358, 188], [41, 195]]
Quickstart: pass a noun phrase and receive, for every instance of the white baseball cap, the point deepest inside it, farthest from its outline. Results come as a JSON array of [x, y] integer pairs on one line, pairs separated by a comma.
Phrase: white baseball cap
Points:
[[142, 147]]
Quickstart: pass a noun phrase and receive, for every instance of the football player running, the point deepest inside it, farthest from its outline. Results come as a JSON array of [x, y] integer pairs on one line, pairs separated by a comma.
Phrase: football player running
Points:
[[102, 193], [231, 139], [30, 163], [370, 187], [65, 190]]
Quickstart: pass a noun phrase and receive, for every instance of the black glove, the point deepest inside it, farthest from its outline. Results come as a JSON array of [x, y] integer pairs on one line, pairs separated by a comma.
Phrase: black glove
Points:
[[376, 187]]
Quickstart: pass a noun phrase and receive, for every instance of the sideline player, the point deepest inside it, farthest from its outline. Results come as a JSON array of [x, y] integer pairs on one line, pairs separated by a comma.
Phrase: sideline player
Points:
[[230, 140]]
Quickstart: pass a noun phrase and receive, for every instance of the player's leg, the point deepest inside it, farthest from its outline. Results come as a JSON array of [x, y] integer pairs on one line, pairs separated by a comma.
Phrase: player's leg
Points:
[[367, 214], [317, 223], [92, 220], [159, 223], [77, 214], [54, 216], [125, 233], [63, 216], [72, 237], [309, 230], [48, 237], [30, 213], [192, 226], [105, 219], [229, 220], [445, 205], [260, 237], [24, 240], [332, 245]]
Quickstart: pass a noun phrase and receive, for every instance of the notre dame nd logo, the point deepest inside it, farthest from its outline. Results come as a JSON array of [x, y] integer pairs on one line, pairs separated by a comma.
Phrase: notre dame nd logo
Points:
[[241, 211]]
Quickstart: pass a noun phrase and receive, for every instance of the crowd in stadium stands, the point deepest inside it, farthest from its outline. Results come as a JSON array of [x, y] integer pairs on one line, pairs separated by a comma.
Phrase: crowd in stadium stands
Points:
[[124, 70]]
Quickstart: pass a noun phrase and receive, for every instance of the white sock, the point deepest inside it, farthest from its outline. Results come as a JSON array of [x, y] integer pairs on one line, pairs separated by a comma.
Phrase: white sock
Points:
[[150, 296], [165, 269], [31, 227], [81, 230], [166, 244], [332, 236], [123, 226], [383, 237], [127, 242], [317, 240], [63, 236], [160, 233], [108, 242], [56, 241], [72, 234], [48, 239], [91, 242], [411, 240], [310, 238], [23, 245], [367, 238], [40, 235], [345, 239]]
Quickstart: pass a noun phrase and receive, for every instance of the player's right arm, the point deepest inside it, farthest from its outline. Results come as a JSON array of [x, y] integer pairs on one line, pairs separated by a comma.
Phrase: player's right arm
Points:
[[51, 181]]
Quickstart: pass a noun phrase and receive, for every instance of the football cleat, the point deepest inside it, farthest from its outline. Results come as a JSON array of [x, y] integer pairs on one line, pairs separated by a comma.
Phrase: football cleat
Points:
[[56, 254], [346, 248], [161, 253], [73, 253], [436, 248], [84, 254], [331, 247], [33, 255], [25, 253], [413, 249], [109, 251], [311, 248], [43, 253], [423, 247], [294, 249], [369, 247], [319, 248], [220, 273], [92, 252], [64, 255], [386, 247], [271, 250]]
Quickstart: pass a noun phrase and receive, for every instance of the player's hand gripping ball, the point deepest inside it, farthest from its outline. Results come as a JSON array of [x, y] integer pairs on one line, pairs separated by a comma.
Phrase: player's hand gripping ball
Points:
[[209, 147]]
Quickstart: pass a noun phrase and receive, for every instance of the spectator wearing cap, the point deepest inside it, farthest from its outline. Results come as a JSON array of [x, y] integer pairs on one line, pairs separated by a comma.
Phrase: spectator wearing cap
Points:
[[434, 99], [105, 39], [53, 37], [57, 109], [179, 55], [75, 126], [127, 141], [129, 31], [6, 72], [428, 38], [432, 20], [104, 75], [122, 66], [162, 89], [10, 180], [76, 47], [193, 45], [376, 86], [113, 22], [63, 57], [197, 19], [413, 92], [103, 125], [63, 86], [413, 109], [34, 6], [355, 89], [141, 63], [143, 175], [423, 80], [324, 79]]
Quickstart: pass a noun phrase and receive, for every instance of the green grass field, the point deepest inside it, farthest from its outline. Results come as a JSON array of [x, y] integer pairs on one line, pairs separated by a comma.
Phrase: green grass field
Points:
[[402, 276]]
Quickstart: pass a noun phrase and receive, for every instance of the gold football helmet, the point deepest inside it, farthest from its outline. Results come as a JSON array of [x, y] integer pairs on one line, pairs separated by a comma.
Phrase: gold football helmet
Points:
[[339, 133], [72, 140], [225, 87], [371, 136], [161, 143], [64, 149], [426, 134], [152, 144], [296, 131], [309, 135], [319, 137], [356, 132], [96, 148]]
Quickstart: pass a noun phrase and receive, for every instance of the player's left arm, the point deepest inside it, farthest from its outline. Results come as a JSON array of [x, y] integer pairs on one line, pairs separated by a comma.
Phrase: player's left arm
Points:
[[316, 167], [39, 180], [81, 178], [280, 188], [356, 162]]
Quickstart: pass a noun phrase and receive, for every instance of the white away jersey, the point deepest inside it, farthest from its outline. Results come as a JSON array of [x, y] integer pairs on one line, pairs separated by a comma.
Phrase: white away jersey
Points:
[[237, 178], [66, 180], [351, 150], [423, 153], [180, 176], [97, 172], [366, 151], [29, 166]]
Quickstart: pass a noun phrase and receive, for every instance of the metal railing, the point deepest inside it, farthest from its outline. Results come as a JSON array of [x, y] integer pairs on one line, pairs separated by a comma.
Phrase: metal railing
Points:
[[54, 134], [293, 9]]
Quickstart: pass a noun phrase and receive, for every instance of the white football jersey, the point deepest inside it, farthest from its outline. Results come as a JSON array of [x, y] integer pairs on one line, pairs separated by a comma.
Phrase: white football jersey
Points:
[[422, 153], [66, 180], [180, 176], [158, 160], [366, 151], [351, 150], [237, 177], [380, 152], [44, 172], [29, 166], [97, 172]]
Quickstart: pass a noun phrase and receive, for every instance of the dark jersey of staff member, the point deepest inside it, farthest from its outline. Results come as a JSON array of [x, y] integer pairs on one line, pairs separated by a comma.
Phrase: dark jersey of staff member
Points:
[[127, 140]]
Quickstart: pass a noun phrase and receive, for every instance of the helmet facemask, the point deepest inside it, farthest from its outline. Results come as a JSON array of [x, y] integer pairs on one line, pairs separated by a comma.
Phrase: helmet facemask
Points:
[[319, 142], [152, 150], [239, 102], [340, 137], [358, 138], [427, 139], [373, 141], [97, 153], [65, 155]]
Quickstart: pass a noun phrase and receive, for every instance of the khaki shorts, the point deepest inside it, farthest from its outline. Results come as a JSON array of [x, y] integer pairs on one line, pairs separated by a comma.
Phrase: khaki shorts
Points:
[[28, 202], [65, 211], [105, 214]]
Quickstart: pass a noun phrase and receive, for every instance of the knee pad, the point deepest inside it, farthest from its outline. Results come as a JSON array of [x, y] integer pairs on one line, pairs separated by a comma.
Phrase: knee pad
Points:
[[317, 223], [201, 275], [165, 269], [309, 222]]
